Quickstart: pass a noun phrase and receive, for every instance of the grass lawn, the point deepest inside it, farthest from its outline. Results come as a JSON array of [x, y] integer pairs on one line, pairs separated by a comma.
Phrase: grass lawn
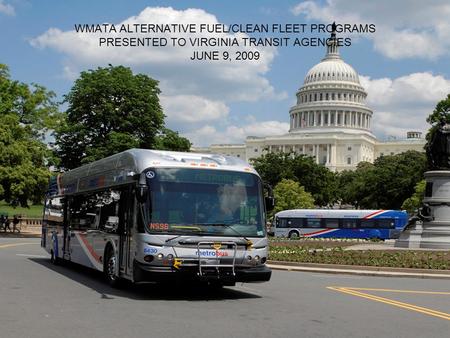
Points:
[[34, 211], [315, 243], [337, 255]]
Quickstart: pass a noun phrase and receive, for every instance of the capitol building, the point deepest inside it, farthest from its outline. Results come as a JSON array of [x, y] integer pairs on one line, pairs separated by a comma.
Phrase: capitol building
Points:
[[330, 122]]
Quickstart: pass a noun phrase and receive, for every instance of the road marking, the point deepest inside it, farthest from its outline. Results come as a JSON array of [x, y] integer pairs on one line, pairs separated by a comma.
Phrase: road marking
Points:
[[32, 256], [403, 291], [15, 244], [407, 306]]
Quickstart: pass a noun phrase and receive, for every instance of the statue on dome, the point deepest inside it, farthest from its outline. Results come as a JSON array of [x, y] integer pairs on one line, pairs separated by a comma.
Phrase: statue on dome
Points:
[[438, 149], [333, 29]]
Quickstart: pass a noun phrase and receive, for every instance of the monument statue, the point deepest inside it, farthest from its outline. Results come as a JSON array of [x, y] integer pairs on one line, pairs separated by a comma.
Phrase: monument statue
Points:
[[432, 231], [438, 150]]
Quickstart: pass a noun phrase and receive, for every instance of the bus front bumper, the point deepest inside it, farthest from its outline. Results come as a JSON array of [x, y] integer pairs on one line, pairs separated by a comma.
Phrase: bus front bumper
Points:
[[151, 273]]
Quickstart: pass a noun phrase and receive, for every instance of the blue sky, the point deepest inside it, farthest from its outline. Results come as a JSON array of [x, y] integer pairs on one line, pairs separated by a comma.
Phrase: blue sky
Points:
[[405, 65]]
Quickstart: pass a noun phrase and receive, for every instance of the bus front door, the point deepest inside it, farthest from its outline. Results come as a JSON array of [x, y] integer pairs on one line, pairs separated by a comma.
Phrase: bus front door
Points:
[[127, 205]]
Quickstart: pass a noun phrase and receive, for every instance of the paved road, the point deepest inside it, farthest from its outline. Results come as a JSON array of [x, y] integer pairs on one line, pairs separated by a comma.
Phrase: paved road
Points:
[[41, 300]]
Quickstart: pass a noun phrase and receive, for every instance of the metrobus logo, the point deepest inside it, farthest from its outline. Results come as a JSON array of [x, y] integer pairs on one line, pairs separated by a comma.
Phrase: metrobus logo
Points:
[[211, 253]]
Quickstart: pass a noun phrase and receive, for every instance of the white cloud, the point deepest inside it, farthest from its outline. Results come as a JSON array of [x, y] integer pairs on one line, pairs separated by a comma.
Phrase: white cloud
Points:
[[217, 80], [234, 134], [403, 103], [405, 29], [193, 93], [192, 109], [6, 8]]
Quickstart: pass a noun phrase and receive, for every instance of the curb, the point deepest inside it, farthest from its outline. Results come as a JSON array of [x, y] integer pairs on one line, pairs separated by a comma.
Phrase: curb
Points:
[[359, 270]]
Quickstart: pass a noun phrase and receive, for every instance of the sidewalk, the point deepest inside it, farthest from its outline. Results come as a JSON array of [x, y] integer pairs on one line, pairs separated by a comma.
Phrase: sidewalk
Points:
[[25, 232], [359, 270]]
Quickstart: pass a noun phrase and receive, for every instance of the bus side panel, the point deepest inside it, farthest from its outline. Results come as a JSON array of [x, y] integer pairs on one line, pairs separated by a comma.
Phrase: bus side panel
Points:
[[99, 242], [82, 251]]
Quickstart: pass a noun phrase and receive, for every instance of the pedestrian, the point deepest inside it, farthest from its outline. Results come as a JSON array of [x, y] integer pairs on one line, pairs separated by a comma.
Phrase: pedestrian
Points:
[[2, 221], [7, 223], [15, 223]]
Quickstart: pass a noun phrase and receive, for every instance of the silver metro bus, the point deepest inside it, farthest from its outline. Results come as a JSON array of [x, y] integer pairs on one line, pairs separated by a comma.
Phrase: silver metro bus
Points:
[[146, 215]]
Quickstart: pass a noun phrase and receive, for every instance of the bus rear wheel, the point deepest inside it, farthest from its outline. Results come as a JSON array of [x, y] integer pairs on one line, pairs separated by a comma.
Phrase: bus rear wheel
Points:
[[109, 268]]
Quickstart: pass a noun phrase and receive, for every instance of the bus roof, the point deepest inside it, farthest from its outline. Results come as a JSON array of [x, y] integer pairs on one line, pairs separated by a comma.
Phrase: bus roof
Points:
[[340, 213], [122, 168]]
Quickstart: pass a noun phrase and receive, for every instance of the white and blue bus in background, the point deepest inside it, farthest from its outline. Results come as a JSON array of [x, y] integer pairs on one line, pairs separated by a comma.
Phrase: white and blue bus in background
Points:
[[329, 223]]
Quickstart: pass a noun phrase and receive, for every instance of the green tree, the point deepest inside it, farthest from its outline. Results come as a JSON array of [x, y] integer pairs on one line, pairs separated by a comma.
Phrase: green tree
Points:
[[440, 114], [317, 179], [27, 112], [414, 202], [384, 184], [170, 140], [290, 194], [346, 184], [273, 167], [111, 110]]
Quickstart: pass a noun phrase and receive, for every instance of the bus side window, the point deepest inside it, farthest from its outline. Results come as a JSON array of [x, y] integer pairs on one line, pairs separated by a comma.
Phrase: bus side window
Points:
[[349, 223], [296, 223], [108, 205], [313, 223], [54, 211], [332, 223], [386, 223], [283, 223], [368, 223]]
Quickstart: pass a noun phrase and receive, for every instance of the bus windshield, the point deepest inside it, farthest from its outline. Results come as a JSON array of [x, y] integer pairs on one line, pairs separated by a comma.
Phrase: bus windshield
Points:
[[204, 202]]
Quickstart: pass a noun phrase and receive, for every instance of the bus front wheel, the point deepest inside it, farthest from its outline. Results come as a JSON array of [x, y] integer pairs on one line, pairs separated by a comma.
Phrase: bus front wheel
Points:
[[110, 267], [294, 235]]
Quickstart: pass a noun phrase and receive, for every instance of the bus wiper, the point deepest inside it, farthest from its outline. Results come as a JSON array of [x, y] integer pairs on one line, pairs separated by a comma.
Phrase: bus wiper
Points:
[[228, 226], [182, 227]]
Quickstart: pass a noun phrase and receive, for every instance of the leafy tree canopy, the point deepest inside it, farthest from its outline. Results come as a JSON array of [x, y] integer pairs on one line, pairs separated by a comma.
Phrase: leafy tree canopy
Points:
[[26, 114], [170, 140], [440, 114], [317, 179], [414, 202], [111, 110], [290, 194], [384, 184]]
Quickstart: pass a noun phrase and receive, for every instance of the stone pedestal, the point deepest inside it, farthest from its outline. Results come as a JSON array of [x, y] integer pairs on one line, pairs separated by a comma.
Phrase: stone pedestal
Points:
[[411, 237], [435, 233]]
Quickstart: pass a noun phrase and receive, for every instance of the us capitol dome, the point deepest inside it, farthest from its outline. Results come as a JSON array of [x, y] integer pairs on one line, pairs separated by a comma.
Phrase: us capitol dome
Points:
[[330, 121], [331, 98]]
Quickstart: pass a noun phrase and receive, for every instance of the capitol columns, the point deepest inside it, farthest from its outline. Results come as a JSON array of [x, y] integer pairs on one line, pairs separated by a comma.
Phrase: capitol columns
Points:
[[328, 153], [333, 157], [316, 153]]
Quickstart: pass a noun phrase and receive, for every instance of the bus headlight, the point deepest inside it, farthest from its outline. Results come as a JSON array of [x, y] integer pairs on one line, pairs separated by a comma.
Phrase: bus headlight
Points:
[[160, 256], [169, 257], [257, 259]]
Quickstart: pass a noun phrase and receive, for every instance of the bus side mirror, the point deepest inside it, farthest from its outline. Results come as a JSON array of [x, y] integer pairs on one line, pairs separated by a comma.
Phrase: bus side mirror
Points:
[[270, 203], [142, 188], [141, 193]]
